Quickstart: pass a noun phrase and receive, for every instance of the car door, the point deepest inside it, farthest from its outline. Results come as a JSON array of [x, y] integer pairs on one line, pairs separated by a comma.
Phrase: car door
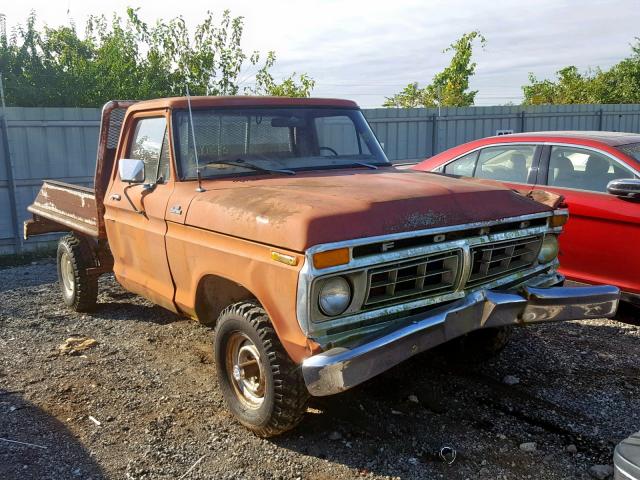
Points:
[[515, 165], [599, 242], [135, 213]]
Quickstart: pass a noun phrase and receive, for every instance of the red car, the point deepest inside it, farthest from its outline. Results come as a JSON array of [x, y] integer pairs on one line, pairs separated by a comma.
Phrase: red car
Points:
[[598, 173]]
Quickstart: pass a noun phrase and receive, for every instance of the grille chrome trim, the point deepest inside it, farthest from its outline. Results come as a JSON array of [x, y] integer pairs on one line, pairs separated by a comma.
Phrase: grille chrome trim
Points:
[[418, 277], [462, 284], [309, 274], [432, 231], [497, 259]]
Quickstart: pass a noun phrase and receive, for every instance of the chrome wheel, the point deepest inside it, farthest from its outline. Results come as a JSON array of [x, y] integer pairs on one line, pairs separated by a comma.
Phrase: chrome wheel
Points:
[[245, 370], [262, 387], [67, 274]]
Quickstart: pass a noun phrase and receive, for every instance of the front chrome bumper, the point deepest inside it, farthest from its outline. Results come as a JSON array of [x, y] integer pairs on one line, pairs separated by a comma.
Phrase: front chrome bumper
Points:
[[341, 368]]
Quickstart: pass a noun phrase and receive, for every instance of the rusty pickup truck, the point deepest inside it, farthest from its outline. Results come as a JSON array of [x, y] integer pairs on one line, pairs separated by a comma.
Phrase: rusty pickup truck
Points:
[[281, 223]]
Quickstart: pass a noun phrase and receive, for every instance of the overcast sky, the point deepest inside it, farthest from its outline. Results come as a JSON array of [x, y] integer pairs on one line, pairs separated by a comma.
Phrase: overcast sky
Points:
[[366, 50]]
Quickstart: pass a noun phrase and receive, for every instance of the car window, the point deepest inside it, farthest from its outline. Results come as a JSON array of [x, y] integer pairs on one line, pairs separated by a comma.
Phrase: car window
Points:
[[583, 169], [507, 163], [151, 145], [463, 165]]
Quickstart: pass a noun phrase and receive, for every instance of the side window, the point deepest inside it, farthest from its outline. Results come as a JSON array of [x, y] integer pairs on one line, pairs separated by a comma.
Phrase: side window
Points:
[[151, 145], [462, 166], [507, 163], [584, 169]]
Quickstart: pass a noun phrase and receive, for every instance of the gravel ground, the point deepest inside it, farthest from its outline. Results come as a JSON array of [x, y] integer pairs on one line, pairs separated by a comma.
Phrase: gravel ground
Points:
[[573, 389]]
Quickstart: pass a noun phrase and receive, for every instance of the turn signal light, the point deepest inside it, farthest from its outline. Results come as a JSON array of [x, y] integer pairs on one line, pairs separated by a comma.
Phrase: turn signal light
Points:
[[331, 258], [284, 258], [558, 220]]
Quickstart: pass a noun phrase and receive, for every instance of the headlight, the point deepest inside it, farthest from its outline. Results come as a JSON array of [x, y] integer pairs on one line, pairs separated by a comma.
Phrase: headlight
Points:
[[549, 249], [335, 296]]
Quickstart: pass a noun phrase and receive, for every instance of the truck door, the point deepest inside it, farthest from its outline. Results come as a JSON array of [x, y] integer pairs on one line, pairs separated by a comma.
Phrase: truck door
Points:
[[135, 213]]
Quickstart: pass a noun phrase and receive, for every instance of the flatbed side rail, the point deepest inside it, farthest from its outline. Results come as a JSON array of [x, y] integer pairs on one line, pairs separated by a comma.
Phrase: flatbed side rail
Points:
[[62, 207]]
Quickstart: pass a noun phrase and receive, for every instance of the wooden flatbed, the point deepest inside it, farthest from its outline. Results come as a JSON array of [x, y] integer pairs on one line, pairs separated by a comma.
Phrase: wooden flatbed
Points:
[[61, 207]]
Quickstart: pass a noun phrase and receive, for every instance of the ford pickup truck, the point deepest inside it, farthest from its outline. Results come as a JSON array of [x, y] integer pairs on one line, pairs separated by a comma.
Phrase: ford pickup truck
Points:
[[281, 223]]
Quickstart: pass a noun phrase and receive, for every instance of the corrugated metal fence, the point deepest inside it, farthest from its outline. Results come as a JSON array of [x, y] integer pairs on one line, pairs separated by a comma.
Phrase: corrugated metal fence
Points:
[[58, 143], [417, 133], [61, 143]]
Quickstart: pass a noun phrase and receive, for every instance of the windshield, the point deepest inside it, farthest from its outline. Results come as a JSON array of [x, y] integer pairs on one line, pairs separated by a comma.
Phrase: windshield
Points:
[[273, 138], [631, 149]]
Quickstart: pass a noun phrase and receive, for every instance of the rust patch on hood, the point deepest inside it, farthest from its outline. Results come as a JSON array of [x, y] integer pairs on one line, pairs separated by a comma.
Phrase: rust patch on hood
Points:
[[262, 204], [418, 220]]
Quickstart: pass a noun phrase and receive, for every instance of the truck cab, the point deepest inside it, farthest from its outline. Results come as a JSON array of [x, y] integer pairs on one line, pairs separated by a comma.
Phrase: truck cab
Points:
[[281, 223]]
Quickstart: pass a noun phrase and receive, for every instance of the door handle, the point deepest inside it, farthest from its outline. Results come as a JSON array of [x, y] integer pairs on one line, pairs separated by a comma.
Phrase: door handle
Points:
[[115, 197]]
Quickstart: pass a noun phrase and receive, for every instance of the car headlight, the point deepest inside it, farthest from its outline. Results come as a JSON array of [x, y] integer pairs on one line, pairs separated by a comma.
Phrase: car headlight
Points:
[[549, 249], [335, 296]]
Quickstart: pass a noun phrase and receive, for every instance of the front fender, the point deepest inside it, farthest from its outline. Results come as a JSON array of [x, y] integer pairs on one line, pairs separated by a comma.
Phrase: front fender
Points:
[[195, 253]]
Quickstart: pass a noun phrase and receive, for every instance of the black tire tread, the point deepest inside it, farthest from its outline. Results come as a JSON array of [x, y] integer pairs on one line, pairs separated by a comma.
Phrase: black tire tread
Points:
[[82, 258], [290, 392]]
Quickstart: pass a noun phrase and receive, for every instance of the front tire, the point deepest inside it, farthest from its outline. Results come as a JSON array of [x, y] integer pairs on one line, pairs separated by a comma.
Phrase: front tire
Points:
[[261, 386], [79, 288]]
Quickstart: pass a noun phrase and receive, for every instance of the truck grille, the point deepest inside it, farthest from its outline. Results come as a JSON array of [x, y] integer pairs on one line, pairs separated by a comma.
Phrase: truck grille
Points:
[[429, 275], [495, 260]]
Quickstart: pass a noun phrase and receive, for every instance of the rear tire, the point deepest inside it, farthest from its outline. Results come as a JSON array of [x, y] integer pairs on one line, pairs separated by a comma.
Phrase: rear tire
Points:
[[479, 345], [79, 288], [261, 386]]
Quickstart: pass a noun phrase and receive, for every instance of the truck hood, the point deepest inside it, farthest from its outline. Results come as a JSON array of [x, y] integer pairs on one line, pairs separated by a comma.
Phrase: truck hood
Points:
[[318, 207]]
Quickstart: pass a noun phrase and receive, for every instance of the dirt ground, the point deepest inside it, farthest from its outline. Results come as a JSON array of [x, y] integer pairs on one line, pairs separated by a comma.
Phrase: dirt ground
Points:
[[144, 404]]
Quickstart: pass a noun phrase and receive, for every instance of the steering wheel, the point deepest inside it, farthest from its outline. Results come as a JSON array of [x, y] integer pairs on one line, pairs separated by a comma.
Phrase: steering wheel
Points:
[[330, 149]]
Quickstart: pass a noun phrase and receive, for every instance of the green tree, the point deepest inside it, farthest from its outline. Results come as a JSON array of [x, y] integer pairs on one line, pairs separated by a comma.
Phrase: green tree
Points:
[[130, 59], [289, 87], [449, 88], [619, 84]]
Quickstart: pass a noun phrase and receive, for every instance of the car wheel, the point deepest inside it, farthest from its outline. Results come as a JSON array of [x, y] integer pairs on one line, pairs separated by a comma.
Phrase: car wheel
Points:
[[261, 386], [79, 288]]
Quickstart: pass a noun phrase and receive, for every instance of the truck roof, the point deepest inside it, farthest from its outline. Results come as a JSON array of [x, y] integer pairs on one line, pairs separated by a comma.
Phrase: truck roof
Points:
[[242, 101]]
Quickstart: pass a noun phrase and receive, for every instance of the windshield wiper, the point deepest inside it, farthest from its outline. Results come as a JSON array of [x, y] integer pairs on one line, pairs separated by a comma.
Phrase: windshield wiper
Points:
[[243, 164], [368, 165]]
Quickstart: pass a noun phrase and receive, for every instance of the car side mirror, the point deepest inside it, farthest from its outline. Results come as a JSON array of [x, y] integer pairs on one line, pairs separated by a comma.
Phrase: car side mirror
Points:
[[131, 170], [625, 188]]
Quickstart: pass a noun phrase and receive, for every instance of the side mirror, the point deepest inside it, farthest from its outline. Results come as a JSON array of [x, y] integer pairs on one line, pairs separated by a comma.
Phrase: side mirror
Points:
[[625, 187], [131, 171]]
